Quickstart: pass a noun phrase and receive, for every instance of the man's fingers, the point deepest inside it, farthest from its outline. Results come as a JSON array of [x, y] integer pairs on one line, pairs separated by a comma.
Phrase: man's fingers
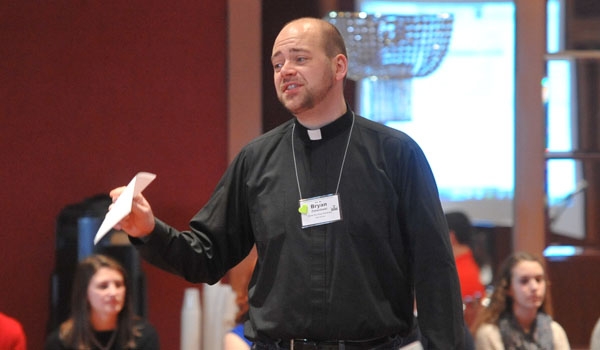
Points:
[[115, 193]]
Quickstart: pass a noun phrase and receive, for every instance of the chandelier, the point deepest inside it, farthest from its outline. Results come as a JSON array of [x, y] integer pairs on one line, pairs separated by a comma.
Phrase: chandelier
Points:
[[385, 52]]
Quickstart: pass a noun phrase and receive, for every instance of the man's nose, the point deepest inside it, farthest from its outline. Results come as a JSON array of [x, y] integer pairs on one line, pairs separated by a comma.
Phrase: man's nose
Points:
[[287, 68]]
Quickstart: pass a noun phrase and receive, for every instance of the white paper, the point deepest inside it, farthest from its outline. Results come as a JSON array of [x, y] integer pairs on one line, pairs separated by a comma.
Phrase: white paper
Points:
[[122, 207]]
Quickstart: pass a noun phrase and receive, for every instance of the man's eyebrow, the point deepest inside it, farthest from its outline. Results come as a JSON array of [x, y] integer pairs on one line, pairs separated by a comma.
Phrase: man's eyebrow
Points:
[[292, 50], [278, 53]]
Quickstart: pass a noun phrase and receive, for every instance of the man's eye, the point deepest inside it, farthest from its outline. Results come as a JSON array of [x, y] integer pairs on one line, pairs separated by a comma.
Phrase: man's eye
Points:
[[277, 66]]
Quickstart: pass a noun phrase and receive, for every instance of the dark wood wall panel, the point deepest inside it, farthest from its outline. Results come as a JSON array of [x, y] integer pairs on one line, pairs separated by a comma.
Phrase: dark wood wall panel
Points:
[[574, 285]]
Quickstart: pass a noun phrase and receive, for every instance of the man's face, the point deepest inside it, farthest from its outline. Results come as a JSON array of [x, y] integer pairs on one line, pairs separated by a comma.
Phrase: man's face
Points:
[[303, 74]]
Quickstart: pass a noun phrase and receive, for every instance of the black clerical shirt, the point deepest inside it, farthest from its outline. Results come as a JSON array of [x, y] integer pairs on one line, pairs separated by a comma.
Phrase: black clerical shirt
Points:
[[351, 279]]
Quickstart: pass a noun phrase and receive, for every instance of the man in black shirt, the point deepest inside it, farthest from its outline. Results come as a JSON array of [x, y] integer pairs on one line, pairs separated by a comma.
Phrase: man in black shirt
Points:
[[344, 212]]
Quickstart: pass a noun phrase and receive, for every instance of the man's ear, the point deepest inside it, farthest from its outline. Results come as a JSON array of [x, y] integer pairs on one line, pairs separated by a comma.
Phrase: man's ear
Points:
[[341, 66]]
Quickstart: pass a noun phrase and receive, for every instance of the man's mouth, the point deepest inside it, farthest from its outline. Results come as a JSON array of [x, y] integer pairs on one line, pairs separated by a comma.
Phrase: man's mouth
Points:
[[290, 86]]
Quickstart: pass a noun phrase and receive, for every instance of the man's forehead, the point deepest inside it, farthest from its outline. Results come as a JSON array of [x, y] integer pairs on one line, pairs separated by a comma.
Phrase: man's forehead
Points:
[[295, 37], [302, 25]]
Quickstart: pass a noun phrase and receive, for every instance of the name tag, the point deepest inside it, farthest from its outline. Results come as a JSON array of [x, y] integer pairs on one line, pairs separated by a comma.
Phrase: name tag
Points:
[[320, 210]]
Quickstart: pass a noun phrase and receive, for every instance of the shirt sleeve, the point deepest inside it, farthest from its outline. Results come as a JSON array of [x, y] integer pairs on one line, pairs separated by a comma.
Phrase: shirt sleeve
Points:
[[595, 338], [437, 289], [488, 337], [219, 235], [561, 342]]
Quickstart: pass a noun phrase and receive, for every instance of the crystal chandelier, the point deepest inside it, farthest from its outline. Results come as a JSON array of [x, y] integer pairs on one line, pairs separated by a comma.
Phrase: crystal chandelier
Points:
[[386, 51]]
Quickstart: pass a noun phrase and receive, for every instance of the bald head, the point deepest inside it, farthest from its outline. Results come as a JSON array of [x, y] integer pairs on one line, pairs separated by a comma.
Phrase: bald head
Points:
[[331, 39]]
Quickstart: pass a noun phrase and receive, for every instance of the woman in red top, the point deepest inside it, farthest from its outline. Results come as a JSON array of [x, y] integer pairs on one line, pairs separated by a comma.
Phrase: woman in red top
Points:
[[12, 336]]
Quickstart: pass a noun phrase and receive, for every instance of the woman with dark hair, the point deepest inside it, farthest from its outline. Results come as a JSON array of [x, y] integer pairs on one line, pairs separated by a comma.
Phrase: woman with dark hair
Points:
[[102, 316], [519, 312]]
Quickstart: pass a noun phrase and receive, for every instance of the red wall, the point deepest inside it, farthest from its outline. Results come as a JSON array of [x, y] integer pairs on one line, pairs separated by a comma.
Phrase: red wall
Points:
[[90, 93]]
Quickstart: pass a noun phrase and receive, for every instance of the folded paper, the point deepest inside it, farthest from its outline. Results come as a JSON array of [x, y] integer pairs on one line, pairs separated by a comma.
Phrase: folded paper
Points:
[[122, 207]]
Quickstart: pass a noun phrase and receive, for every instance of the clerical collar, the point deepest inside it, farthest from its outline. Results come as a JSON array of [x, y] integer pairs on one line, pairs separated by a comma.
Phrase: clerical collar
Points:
[[314, 135], [338, 126]]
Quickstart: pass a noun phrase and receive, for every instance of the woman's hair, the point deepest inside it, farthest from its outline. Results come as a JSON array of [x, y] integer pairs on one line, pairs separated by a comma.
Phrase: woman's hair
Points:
[[77, 331], [500, 302]]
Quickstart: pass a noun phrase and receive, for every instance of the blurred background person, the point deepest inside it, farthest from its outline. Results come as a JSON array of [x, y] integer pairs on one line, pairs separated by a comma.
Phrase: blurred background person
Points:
[[469, 275], [102, 316], [12, 336], [239, 278], [595, 338], [519, 312], [461, 232]]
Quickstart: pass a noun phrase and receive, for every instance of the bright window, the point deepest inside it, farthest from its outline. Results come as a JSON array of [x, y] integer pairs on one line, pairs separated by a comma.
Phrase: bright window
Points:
[[463, 113]]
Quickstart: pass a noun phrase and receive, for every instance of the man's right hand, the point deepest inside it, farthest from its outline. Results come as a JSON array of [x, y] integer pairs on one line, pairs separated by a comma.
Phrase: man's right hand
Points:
[[140, 221]]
